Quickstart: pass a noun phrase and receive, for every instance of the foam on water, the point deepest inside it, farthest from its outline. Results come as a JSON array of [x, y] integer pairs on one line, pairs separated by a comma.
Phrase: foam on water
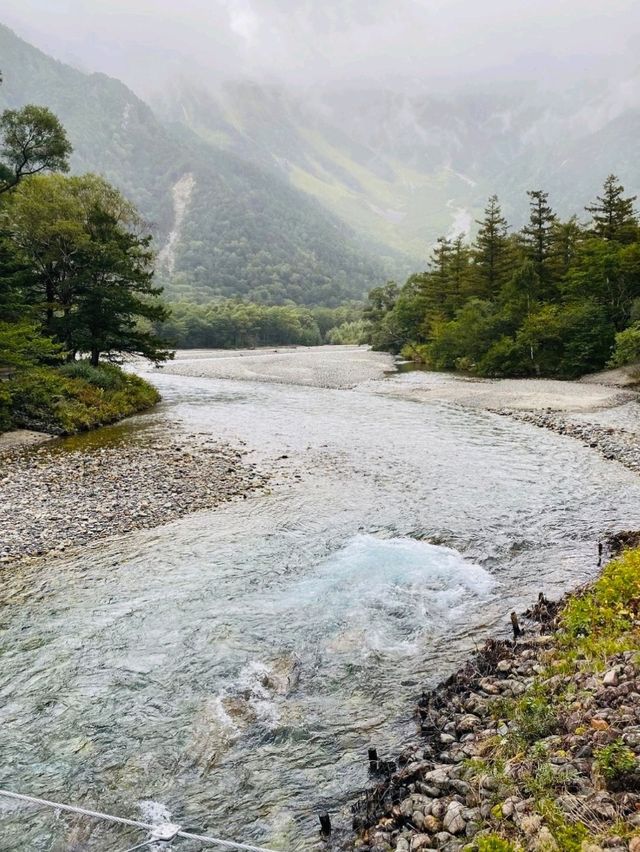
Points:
[[391, 574], [379, 595], [154, 812], [254, 681]]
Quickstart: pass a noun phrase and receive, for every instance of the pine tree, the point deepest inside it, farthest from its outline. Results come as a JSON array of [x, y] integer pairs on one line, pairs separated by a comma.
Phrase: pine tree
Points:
[[458, 273], [537, 237], [490, 253], [116, 292], [613, 215], [437, 282], [565, 241]]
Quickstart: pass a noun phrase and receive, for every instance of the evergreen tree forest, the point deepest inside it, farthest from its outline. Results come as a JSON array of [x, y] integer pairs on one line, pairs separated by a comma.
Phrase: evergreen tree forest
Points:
[[236, 323], [76, 286], [556, 298]]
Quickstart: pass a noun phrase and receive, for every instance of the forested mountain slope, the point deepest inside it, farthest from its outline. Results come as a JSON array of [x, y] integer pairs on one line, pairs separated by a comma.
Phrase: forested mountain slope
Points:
[[406, 165], [240, 230]]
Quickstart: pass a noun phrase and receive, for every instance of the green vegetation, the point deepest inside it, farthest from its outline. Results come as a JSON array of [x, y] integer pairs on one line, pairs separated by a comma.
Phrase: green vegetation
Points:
[[493, 843], [232, 324], [246, 232], [76, 397], [617, 764], [554, 299], [529, 761], [75, 277]]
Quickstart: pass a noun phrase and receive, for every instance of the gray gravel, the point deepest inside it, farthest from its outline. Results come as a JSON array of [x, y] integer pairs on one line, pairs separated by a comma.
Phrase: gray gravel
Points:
[[52, 500], [318, 366], [613, 443]]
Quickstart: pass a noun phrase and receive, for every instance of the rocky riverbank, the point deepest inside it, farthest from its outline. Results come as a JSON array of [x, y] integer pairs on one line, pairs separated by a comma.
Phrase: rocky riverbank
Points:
[[533, 745], [614, 443], [52, 499]]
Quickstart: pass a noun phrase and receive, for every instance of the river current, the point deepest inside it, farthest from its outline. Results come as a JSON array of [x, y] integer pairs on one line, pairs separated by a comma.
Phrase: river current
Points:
[[230, 670]]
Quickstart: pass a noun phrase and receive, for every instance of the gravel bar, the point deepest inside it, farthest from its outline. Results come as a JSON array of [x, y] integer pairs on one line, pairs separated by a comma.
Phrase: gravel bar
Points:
[[52, 500]]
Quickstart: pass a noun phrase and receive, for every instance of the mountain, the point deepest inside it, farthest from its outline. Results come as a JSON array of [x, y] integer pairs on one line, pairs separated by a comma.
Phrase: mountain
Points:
[[317, 193], [225, 226], [403, 165]]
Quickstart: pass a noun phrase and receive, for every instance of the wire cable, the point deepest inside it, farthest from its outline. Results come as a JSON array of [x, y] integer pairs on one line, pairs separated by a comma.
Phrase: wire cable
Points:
[[74, 809]]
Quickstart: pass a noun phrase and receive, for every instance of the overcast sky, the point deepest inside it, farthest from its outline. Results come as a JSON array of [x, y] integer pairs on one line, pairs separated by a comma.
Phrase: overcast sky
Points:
[[303, 41]]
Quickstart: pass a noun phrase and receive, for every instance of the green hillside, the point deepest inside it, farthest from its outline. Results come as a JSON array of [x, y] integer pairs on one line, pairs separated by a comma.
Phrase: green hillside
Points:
[[244, 231], [404, 167]]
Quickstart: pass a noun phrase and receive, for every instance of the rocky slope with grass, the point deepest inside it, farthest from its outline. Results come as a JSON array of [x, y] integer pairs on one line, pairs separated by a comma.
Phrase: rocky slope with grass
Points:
[[534, 744]]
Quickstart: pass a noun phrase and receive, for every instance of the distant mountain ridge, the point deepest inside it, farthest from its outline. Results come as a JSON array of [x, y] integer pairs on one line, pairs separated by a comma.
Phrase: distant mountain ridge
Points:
[[316, 195], [404, 167], [239, 230]]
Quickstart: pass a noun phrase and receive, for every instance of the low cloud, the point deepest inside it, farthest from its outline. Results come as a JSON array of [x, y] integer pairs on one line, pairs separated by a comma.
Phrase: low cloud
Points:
[[304, 42]]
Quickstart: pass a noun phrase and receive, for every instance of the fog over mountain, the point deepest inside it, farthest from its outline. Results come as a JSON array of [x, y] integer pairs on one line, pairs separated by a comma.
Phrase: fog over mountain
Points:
[[399, 117], [298, 42]]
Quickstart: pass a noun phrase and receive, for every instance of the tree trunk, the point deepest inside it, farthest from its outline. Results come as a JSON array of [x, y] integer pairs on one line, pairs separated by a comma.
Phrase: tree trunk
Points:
[[95, 357]]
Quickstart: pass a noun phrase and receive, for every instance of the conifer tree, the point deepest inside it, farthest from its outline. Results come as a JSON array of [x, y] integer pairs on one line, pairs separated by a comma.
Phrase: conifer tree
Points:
[[613, 215], [537, 237], [436, 282], [565, 241], [490, 252], [458, 273]]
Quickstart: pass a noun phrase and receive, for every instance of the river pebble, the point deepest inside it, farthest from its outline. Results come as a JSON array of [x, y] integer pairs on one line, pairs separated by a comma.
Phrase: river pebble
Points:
[[52, 500], [614, 444]]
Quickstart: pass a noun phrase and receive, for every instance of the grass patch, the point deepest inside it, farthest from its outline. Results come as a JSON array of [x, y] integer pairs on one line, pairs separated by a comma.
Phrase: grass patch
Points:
[[74, 398], [618, 765], [595, 626], [494, 843], [605, 612]]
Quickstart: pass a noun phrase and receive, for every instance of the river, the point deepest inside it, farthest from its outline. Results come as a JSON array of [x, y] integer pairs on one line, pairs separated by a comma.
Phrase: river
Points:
[[230, 669]]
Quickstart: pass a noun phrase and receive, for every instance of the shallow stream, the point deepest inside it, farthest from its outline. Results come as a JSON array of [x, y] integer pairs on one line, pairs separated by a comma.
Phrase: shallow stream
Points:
[[230, 669]]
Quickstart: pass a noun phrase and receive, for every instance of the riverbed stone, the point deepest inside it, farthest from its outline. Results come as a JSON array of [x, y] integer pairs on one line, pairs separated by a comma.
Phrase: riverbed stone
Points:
[[53, 500], [453, 820], [612, 677]]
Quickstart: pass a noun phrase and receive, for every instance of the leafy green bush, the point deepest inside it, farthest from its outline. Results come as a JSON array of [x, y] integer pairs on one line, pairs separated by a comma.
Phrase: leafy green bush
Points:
[[106, 376], [49, 400], [627, 347], [617, 764]]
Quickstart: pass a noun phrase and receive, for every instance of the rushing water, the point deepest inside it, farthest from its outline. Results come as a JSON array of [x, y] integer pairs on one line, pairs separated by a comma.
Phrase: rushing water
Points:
[[230, 669]]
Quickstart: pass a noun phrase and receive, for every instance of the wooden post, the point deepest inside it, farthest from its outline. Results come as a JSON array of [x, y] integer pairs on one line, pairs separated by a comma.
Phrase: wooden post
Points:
[[517, 631], [325, 823], [599, 554], [373, 760]]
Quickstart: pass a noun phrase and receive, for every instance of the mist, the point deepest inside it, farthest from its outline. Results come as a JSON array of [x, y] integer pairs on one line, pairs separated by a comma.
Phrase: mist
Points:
[[422, 43]]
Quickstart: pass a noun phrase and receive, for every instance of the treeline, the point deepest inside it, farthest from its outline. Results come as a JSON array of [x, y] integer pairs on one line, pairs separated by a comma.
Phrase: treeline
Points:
[[557, 298], [76, 280], [233, 324]]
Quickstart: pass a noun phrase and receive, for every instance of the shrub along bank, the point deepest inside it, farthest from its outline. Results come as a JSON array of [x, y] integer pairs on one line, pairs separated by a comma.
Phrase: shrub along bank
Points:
[[72, 398]]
